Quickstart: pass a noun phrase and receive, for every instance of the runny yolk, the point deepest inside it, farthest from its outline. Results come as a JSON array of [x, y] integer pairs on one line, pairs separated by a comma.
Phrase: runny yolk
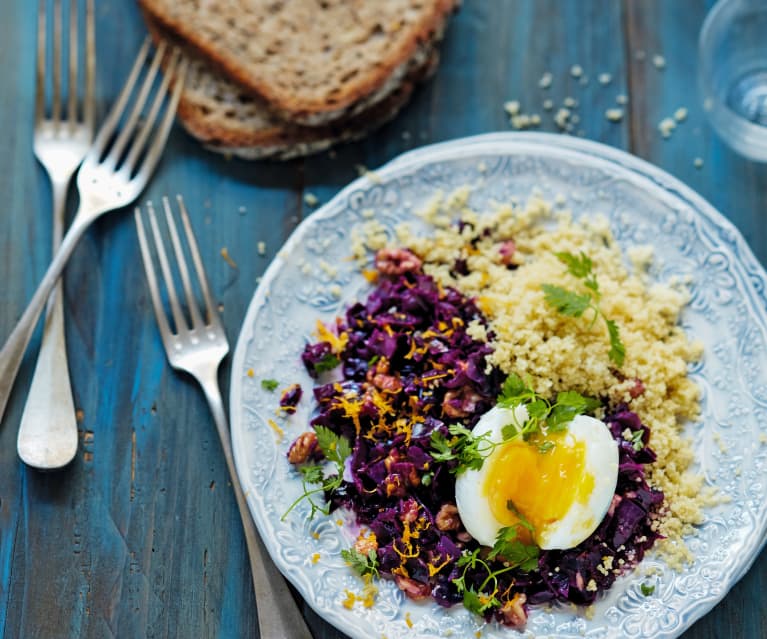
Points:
[[540, 486]]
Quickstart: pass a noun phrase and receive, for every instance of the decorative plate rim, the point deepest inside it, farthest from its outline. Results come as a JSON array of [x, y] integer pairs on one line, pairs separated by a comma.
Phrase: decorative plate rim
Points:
[[506, 144]]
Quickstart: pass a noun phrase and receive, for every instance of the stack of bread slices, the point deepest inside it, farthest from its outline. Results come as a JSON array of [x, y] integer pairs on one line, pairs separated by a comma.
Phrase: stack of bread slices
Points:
[[285, 78]]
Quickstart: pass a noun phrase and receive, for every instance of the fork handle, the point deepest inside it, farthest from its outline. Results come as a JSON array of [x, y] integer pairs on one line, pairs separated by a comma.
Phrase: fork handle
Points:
[[278, 614], [47, 436], [16, 344]]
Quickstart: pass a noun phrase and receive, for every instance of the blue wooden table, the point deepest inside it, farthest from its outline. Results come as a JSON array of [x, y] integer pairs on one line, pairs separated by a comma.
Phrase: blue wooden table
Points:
[[140, 535]]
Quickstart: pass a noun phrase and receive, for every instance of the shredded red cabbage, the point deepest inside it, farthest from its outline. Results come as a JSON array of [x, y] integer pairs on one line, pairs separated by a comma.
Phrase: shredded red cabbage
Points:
[[408, 368]]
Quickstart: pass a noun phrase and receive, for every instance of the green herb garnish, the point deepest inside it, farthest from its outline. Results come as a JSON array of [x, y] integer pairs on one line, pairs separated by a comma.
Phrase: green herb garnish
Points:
[[636, 440], [646, 589], [544, 417], [470, 451], [513, 552], [328, 362], [574, 304], [336, 449], [363, 564], [269, 385]]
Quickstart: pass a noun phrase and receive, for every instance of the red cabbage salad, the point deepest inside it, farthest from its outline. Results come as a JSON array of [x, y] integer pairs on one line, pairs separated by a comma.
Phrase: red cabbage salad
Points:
[[399, 384]]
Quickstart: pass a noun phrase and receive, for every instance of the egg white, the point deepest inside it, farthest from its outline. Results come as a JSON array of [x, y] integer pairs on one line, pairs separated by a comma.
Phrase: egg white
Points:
[[581, 519]]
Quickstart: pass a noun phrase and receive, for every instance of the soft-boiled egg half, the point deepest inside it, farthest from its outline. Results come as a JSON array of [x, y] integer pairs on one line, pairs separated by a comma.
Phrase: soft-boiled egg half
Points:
[[562, 489]]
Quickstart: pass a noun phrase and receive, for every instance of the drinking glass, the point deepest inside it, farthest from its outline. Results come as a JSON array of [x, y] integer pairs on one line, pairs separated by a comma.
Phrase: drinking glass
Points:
[[732, 55]]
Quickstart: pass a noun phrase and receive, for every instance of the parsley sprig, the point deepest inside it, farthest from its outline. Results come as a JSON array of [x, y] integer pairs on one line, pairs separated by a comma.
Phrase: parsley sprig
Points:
[[507, 548], [468, 450], [544, 417], [364, 564], [336, 449], [574, 304]]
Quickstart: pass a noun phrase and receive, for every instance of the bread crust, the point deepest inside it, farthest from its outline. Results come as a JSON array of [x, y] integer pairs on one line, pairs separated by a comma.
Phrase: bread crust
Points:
[[284, 140], [356, 94]]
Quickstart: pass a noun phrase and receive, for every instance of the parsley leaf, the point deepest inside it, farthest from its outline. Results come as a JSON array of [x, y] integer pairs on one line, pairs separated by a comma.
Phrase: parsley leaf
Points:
[[513, 551], [637, 440], [513, 392], [574, 304], [647, 590], [577, 265], [566, 302], [617, 349], [363, 564], [269, 385], [478, 602], [336, 449], [569, 405], [328, 362]]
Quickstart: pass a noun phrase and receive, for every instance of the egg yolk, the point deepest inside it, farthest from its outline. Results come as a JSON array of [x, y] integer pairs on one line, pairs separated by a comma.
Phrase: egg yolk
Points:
[[541, 486]]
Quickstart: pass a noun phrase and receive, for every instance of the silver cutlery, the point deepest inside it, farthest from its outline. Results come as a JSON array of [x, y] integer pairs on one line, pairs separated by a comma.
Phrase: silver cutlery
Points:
[[113, 173], [198, 347], [48, 433]]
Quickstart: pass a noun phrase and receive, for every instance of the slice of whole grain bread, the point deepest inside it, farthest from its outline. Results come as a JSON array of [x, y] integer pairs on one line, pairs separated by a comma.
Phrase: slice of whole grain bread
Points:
[[312, 61], [227, 120]]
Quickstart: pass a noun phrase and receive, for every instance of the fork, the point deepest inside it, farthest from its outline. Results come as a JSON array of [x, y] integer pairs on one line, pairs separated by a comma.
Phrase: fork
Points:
[[48, 432], [198, 349], [113, 173]]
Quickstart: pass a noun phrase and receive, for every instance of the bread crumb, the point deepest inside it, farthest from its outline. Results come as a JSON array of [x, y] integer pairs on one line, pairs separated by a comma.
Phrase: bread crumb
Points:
[[614, 115], [604, 78], [310, 199], [622, 99], [680, 115], [591, 586], [261, 248], [697, 163], [545, 81], [659, 61], [511, 107], [548, 104], [576, 71], [666, 126], [570, 102], [561, 118]]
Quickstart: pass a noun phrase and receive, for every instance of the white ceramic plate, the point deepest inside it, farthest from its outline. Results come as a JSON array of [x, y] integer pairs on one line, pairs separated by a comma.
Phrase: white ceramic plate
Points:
[[644, 205]]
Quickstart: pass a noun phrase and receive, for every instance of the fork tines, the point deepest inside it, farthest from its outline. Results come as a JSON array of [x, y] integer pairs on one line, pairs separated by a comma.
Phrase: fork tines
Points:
[[182, 327], [44, 20], [135, 148]]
